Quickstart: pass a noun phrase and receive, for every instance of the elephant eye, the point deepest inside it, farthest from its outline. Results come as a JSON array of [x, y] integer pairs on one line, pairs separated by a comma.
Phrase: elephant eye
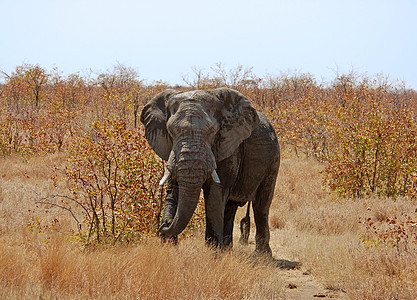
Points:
[[170, 126], [212, 130], [173, 109], [169, 129]]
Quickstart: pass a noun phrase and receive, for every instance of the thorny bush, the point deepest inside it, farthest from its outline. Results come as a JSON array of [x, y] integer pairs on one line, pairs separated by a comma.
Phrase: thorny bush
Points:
[[112, 174], [363, 130], [374, 147], [399, 231]]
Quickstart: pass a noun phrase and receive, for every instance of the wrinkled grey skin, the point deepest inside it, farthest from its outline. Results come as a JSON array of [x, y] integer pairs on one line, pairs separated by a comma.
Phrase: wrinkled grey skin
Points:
[[201, 131]]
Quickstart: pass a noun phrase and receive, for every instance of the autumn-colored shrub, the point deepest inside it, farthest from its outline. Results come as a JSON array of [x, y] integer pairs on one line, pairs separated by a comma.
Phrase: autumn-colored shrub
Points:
[[112, 175], [12, 135], [35, 131], [364, 130], [398, 231], [373, 145], [25, 87]]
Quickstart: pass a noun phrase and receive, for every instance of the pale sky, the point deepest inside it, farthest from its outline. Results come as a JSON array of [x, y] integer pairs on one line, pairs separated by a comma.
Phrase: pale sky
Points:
[[164, 39]]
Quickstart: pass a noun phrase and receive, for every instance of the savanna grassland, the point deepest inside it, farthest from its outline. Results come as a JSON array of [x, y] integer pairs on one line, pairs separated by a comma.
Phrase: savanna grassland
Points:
[[80, 202]]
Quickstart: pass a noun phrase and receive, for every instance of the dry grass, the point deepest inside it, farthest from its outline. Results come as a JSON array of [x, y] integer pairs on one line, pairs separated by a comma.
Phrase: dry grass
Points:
[[324, 233], [308, 225], [21, 184], [53, 268]]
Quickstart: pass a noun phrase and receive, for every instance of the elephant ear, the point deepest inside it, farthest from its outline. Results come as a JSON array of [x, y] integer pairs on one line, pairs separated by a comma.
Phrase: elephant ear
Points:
[[237, 121], [154, 118]]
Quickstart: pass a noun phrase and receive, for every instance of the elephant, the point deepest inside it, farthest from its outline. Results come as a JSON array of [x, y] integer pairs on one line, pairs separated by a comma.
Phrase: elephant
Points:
[[213, 140], [245, 227]]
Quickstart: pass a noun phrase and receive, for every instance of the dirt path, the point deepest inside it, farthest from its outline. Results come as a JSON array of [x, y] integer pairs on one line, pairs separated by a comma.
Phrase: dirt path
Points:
[[298, 282], [297, 279]]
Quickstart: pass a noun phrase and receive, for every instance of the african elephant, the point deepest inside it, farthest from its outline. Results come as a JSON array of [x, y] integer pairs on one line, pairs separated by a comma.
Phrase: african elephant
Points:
[[214, 140]]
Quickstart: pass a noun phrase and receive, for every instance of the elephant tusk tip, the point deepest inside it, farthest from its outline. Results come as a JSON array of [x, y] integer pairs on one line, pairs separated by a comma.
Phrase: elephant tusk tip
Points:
[[162, 182], [215, 177], [164, 179]]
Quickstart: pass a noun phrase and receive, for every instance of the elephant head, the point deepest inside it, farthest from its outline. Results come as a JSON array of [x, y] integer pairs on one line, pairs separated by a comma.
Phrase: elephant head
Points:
[[193, 131]]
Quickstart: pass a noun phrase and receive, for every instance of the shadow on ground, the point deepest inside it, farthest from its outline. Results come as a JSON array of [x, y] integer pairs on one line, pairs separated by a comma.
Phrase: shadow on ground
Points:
[[285, 264], [282, 264]]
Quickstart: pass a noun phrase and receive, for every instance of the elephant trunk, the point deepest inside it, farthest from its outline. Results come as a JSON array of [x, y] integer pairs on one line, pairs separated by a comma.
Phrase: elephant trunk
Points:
[[190, 163], [187, 203]]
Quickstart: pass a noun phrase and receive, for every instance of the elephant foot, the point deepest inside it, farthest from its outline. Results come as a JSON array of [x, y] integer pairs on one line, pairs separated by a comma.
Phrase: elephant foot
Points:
[[167, 239], [172, 239], [244, 231], [214, 243], [263, 252]]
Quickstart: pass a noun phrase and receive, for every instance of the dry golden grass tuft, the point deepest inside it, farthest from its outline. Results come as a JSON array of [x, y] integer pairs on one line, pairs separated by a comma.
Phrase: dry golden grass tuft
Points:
[[147, 271], [22, 182]]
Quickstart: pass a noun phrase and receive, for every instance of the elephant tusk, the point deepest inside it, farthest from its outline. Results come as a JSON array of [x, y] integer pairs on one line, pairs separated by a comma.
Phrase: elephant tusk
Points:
[[166, 176], [215, 177]]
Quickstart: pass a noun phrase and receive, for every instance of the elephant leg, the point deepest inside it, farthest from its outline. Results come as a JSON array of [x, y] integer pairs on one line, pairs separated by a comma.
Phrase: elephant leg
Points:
[[170, 208], [245, 227], [229, 218], [261, 213], [215, 208]]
